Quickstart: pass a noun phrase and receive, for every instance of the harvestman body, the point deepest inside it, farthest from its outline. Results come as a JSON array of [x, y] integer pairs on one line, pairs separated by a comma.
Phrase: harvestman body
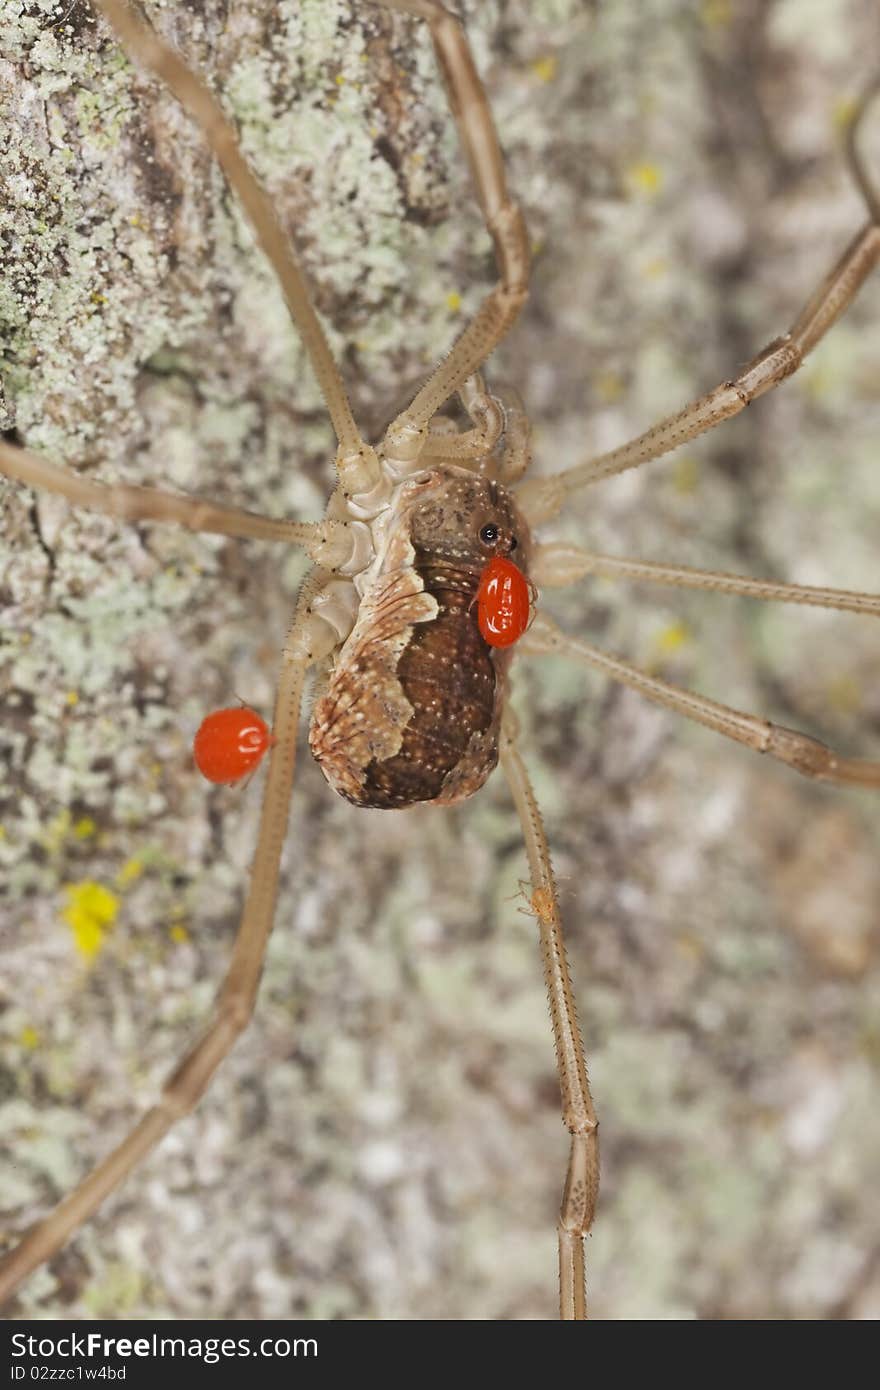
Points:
[[413, 707], [411, 697]]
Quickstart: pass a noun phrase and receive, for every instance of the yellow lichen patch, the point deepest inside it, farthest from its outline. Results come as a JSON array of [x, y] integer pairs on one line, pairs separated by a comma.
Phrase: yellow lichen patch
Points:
[[715, 14], [690, 946], [118, 1293], [91, 911], [177, 929], [844, 694], [608, 387], [819, 381], [130, 871], [453, 301], [544, 68], [843, 113], [71, 698], [670, 640], [644, 178], [686, 474], [28, 1038], [84, 828], [56, 832]]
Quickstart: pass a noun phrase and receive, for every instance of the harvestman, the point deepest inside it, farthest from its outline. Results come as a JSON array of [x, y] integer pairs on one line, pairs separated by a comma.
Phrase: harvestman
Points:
[[397, 562]]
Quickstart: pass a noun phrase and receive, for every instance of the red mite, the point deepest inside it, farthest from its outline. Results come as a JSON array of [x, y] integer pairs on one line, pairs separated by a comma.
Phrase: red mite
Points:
[[503, 603], [230, 743]]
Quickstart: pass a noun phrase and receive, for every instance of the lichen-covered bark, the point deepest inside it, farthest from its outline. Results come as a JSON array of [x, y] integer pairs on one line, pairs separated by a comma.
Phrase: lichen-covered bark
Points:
[[385, 1140]]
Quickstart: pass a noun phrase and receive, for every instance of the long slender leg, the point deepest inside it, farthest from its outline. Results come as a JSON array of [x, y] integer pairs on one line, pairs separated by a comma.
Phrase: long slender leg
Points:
[[331, 544], [543, 498], [503, 218], [355, 457], [556, 565], [806, 755], [582, 1175], [308, 639]]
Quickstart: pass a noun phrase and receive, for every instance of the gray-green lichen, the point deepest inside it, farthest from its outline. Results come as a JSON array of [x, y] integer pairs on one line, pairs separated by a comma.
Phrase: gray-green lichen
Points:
[[385, 1140]]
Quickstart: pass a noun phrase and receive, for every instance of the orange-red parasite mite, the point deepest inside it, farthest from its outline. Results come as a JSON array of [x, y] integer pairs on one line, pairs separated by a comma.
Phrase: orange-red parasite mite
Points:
[[503, 603], [230, 743]]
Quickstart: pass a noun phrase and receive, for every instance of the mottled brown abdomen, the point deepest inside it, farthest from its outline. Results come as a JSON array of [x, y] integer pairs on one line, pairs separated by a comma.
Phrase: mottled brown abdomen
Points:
[[448, 675]]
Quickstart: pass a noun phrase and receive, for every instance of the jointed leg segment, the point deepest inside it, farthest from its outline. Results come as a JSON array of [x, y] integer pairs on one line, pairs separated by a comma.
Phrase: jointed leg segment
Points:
[[467, 448], [235, 1001], [542, 499], [559, 564], [356, 460], [502, 216], [328, 543], [806, 755], [582, 1176]]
